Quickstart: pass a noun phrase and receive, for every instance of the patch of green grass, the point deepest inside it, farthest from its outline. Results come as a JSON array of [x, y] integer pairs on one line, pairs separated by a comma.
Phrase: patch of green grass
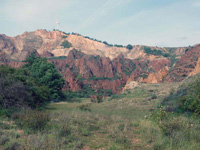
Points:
[[128, 121]]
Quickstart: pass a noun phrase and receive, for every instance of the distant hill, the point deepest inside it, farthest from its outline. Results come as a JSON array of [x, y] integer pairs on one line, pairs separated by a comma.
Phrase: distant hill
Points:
[[59, 43], [88, 63]]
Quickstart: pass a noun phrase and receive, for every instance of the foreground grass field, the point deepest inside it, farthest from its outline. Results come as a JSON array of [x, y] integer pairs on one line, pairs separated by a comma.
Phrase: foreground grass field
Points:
[[129, 121]]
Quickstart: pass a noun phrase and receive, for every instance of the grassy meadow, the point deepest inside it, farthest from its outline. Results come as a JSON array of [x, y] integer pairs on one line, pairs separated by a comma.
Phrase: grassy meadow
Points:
[[134, 120]]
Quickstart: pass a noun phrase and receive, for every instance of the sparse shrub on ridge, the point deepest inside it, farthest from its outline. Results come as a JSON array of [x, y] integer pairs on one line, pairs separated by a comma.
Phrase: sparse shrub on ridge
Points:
[[148, 50], [66, 44], [129, 46]]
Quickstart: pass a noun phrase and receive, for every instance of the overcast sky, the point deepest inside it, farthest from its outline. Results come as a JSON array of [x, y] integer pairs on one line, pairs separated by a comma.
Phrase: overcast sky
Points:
[[147, 22]]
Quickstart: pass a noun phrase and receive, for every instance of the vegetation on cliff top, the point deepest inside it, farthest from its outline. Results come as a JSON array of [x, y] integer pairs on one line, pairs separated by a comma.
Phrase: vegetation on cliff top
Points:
[[148, 50], [66, 44]]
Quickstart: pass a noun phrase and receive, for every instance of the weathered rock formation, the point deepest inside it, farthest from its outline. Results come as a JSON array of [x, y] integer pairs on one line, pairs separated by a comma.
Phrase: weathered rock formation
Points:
[[86, 62], [188, 65]]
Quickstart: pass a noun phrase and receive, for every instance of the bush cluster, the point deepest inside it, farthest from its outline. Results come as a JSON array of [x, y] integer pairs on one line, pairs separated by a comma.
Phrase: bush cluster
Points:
[[19, 89], [191, 101], [85, 107], [129, 46], [45, 74], [33, 85], [148, 50], [66, 44], [32, 120]]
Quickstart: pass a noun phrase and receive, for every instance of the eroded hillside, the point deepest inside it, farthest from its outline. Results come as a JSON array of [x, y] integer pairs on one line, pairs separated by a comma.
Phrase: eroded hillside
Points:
[[52, 44], [90, 64]]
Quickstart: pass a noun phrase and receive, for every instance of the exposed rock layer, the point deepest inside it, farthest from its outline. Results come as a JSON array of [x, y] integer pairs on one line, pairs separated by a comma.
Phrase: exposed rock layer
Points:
[[98, 65]]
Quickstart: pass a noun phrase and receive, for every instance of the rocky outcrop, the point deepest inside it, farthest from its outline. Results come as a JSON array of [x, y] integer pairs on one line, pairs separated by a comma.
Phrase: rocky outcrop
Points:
[[80, 69], [89, 63], [186, 66], [131, 85], [6, 45], [158, 64], [157, 77], [196, 69]]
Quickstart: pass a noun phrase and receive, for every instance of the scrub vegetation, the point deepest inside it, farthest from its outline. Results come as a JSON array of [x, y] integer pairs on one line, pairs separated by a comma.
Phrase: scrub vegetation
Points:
[[148, 117]]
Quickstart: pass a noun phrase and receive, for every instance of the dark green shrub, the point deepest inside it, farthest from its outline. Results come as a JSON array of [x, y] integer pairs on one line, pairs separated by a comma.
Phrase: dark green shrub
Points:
[[32, 120], [128, 66], [5, 126], [4, 140], [148, 50], [159, 115], [153, 96], [117, 96], [99, 99], [105, 42], [166, 55], [79, 77], [116, 45], [66, 44], [123, 140], [66, 66], [64, 36], [14, 146], [94, 78], [191, 101], [84, 93], [144, 75], [169, 126], [57, 58], [20, 89], [84, 131], [85, 107], [129, 46], [65, 131], [173, 60], [171, 92]]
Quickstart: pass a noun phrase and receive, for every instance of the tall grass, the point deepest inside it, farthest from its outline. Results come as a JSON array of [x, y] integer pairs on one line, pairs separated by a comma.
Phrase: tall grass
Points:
[[130, 122]]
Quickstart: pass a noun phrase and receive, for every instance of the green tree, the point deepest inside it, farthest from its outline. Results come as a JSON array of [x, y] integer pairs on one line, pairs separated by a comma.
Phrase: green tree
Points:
[[129, 46], [46, 74], [66, 44], [19, 89]]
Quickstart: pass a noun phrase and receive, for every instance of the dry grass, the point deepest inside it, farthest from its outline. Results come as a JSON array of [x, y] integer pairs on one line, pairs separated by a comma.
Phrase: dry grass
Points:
[[120, 124]]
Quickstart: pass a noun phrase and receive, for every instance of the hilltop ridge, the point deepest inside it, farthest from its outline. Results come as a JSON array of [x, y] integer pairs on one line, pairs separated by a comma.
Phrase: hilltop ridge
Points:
[[44, 41]]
